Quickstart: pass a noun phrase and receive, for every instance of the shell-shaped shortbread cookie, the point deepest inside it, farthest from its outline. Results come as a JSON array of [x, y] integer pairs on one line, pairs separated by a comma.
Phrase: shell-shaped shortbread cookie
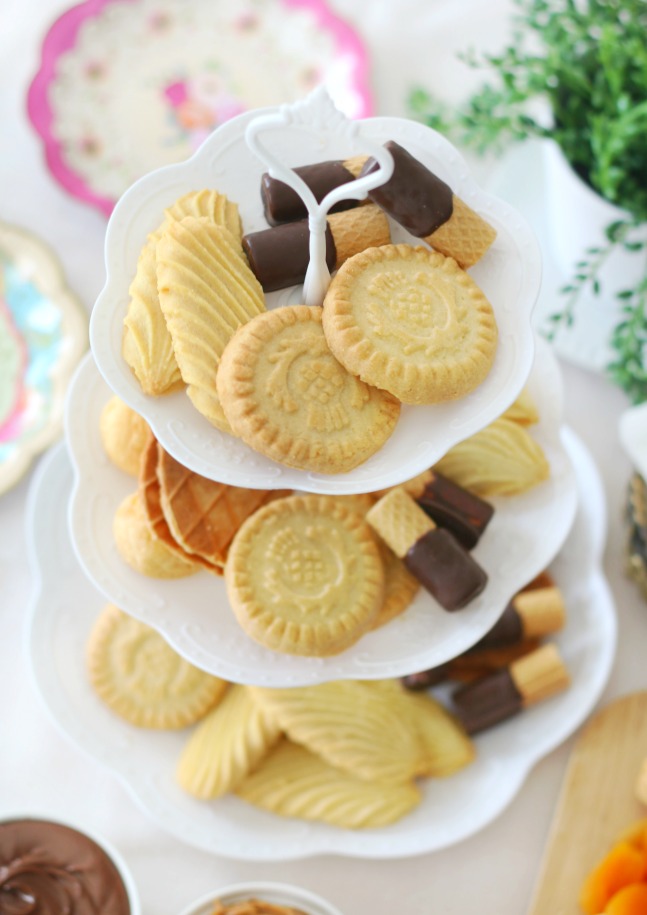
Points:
[[227, 745], [293, 782], [124, 435], [139, 676], [446, 746], [410, 321], [141, 548], [356, 726], [287, 397], [206, 291], [147, 346], [304, 576], [523, 410], [501, 460]]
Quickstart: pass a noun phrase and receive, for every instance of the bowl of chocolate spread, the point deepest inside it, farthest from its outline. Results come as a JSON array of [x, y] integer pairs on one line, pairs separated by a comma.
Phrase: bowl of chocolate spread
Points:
[[261, 898], [49, 868]]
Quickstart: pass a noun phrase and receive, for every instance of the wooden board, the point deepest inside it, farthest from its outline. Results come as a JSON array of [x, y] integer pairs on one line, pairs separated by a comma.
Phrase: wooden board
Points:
[[596, 804]]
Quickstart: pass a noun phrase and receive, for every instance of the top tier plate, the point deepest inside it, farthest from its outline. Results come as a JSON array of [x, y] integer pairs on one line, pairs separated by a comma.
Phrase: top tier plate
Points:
[[509, 274]]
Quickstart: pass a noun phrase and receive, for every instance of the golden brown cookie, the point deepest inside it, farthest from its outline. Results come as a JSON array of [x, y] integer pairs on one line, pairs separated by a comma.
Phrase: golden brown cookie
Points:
[[147, 346], [141, 548], [410, 321], [141, 678], [523, 410], [501, 460], [206, 291], [124, 435], [151, 498], [287, 397], [228, 744], [203, 515], [356, 726], [304, 576], [294, 782], [400, 587]]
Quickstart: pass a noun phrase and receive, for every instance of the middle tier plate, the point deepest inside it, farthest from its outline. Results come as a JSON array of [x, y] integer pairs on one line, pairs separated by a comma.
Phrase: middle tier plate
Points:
[[194, 615]]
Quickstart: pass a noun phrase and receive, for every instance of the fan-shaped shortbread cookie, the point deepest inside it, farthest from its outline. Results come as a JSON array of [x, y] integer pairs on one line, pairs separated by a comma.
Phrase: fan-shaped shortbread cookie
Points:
[[151, 497], [446, 746], [147, 346], [293, 782], [410, 321], [523, 410], [136, 673], [206, 291], [286, 395], [139, 545], [203, 515], [501, 460], [356, 726], [227, 745], [304, 576], [124, 435]]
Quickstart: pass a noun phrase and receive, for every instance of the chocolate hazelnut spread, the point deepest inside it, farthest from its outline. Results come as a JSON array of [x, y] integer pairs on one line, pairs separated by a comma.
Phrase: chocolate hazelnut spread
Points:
[[50, 869]]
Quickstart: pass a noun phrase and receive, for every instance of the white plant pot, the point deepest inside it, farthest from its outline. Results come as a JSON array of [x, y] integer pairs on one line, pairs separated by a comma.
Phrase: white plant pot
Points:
[[577, 219]]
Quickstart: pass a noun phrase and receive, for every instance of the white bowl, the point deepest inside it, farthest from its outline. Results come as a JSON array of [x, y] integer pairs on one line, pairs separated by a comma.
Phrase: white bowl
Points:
[[65, 606], [509, 274], [104, 845], [277, 893], [194, 614]]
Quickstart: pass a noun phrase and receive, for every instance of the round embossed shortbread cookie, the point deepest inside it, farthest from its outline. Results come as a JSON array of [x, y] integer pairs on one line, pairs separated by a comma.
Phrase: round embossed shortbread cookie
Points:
[[304, 576], [286, 395], [141, 678], [410, 321]]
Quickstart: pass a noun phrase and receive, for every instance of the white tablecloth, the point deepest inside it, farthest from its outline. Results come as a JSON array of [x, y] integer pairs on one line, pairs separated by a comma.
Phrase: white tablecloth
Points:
[[42, 773]]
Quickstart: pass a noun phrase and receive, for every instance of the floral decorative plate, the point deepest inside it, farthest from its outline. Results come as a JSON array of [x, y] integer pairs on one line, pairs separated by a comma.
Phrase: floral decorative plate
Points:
[[126, 86], [194, 614], [43, 332], [65, 606]]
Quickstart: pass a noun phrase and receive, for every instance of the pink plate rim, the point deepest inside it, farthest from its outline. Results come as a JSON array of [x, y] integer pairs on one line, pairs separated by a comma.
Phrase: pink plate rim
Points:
[[62, 36]]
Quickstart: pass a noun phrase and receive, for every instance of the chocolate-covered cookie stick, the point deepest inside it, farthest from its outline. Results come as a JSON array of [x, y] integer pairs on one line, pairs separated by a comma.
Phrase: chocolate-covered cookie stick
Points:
[[455, 509], [428, 208], [282, 204], [502, 694], [529, 615], [279, 257], [430, 553]]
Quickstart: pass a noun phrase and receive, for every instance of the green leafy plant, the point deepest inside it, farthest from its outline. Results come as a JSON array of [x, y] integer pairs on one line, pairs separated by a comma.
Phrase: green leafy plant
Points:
[[587, 62]]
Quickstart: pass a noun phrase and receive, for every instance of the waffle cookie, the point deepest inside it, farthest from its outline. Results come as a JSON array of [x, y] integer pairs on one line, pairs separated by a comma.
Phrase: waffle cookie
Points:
[[410, 321], [304, 576], [286, 396]]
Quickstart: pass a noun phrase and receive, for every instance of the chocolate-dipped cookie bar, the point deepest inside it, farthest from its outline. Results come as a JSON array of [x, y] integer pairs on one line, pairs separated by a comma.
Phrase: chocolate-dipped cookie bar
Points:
[[428, 208], [432, 554], [279, 256], [500, 695], [281, 204]]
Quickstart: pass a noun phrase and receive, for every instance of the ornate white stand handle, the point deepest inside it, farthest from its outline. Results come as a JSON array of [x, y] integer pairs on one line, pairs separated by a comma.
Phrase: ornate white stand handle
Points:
[[317, 113]]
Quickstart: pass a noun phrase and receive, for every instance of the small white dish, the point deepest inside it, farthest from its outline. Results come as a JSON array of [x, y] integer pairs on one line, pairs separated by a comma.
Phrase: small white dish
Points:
[[283, 894], [105, 846], [65, 606], [509, 274], [194, 614]]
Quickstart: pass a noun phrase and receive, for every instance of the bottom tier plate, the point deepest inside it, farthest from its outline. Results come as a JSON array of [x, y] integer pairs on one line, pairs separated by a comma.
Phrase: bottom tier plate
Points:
[[65, 606]]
